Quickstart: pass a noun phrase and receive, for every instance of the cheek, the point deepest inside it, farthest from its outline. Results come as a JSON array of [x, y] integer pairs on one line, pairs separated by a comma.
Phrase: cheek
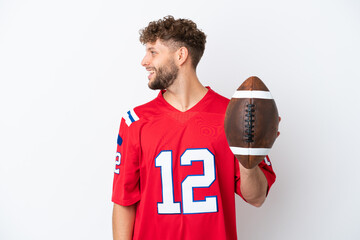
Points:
[[157, 65]]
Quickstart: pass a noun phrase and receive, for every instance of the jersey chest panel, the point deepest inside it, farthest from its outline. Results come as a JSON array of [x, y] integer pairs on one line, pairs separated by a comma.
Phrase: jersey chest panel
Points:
[[171, 136]]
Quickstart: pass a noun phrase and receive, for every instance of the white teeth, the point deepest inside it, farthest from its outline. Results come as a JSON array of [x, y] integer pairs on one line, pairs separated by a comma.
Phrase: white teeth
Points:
[[150, 71]]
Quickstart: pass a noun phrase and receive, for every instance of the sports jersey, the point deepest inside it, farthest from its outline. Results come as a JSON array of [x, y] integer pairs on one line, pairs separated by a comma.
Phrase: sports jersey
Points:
[[178, 169]]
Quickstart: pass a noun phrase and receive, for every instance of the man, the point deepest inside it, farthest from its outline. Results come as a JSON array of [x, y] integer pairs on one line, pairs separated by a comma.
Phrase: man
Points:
[[175, 176]]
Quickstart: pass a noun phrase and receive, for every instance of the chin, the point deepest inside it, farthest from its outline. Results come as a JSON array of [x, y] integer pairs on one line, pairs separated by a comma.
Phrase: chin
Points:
[[151, 86]]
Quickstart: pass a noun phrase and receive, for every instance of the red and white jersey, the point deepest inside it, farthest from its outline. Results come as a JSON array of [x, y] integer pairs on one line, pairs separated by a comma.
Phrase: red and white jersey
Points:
[[179, 170]]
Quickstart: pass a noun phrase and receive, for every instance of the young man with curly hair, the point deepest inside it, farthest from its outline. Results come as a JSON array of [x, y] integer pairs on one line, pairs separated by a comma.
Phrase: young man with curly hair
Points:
[[175, 176]]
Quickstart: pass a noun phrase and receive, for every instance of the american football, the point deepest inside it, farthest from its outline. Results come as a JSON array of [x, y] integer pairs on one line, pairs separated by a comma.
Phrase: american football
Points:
[[251, 122]]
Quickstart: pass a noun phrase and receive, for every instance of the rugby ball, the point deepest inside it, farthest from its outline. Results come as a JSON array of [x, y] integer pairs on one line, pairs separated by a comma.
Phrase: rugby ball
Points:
[[251, 122]]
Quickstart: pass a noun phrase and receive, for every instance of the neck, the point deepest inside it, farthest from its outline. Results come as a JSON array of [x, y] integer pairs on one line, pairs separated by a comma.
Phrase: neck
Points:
[[185, 92]]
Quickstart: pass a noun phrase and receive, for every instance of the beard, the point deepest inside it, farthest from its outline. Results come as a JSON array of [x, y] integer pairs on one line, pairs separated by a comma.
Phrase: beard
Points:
[[164, 76]]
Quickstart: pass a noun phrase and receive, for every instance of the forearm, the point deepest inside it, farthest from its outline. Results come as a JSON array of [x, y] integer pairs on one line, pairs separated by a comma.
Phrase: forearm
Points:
[[253, 185], [123, 221]]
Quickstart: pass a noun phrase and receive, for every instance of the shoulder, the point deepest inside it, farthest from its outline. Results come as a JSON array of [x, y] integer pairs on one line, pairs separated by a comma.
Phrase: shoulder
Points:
[[218, 103], [141, 112], [221, 99]]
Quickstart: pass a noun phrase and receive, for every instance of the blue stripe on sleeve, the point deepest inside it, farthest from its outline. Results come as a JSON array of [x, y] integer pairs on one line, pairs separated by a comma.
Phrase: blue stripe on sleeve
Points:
[[119, 140], [131, 117]]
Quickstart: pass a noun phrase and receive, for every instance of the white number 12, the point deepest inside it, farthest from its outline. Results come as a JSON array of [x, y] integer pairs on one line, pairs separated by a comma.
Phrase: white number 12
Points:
[[190, 206]]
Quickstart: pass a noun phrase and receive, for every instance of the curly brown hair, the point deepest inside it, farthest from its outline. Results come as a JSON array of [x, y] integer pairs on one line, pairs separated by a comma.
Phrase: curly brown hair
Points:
[[176, 33]]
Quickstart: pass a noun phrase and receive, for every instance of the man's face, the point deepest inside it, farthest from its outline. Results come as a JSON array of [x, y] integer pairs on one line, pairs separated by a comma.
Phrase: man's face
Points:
[[159, 62]]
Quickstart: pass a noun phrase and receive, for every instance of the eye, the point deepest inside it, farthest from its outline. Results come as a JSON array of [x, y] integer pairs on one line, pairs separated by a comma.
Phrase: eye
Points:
[[153, 52]]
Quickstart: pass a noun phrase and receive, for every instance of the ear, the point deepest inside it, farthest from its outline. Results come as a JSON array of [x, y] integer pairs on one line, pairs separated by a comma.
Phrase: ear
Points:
[[182, 55]]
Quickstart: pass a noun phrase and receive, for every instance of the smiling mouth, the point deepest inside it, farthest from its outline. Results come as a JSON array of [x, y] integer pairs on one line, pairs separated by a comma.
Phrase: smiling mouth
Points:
[[151, 72]]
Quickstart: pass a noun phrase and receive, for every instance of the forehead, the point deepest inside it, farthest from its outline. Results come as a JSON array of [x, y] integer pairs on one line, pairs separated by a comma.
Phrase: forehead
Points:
[[157, 45]]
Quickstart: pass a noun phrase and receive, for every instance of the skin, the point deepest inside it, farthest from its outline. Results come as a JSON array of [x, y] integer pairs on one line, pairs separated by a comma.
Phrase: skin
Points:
[[186, 90], [183, 93], [123, 219]]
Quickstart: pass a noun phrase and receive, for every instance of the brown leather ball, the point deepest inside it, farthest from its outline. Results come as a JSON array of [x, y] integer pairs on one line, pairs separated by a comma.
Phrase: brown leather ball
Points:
[[251, 122]]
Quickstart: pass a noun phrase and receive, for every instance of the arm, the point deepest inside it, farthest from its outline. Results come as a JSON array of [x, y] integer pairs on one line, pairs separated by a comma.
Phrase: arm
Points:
[[123, 221], [253, 185]]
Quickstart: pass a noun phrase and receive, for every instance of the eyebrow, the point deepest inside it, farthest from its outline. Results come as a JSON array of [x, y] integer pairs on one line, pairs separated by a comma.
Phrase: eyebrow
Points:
[[150, 48]]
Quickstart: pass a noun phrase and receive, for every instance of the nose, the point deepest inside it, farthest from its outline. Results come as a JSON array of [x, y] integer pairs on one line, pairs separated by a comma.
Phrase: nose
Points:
[[145, 61]]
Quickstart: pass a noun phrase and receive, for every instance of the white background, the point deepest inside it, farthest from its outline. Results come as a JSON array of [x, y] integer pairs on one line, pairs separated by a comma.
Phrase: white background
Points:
[[70, 68]]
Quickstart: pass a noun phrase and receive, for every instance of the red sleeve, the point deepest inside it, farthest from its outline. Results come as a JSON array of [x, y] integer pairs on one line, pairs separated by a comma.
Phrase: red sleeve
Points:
[[265, 167], [126, 185]]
